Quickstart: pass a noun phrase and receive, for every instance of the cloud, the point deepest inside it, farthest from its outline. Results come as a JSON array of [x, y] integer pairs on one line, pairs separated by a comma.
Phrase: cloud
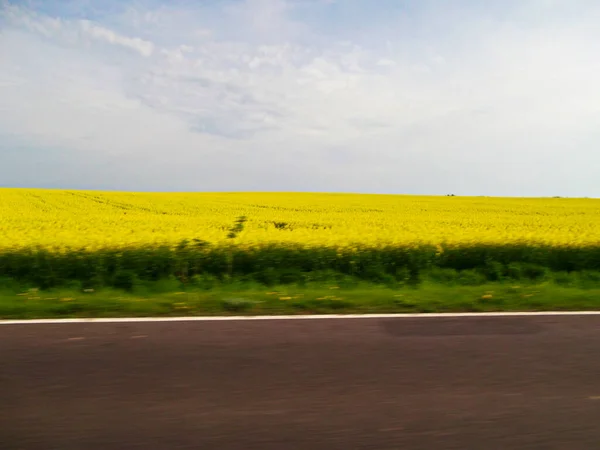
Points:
[[65, 30], [485, 99], [143, 47]]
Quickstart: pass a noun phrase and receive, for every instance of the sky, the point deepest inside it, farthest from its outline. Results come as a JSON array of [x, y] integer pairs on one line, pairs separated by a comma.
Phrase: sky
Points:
[[464, 97]]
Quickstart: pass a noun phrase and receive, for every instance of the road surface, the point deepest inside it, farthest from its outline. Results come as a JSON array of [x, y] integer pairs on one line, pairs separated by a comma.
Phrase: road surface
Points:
[[405, 383]]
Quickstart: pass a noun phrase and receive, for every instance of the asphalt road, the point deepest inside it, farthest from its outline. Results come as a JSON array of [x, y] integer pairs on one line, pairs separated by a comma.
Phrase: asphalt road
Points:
[[437, 383]]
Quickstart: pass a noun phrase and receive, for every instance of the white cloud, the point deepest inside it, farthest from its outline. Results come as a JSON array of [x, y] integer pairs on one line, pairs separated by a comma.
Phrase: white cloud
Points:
[[270, 95], [385, 62], [97, 32]]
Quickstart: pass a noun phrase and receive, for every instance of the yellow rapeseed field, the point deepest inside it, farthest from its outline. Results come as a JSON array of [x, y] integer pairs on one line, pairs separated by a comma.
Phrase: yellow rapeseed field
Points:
[[60, 218]]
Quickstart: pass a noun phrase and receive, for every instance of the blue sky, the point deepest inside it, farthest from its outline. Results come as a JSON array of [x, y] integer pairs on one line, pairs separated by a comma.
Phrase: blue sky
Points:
[[422, 97]]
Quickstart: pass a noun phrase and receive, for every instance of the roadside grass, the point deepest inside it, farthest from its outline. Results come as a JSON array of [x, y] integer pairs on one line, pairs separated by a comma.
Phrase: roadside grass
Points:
[[251, 298]]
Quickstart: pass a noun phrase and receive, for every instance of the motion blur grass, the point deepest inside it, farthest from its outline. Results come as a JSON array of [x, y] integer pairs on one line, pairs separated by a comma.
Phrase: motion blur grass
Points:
[[252, 299]]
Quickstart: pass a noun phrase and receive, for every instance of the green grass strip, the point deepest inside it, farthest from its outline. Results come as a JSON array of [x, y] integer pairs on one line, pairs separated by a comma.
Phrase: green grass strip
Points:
[[316, 298]]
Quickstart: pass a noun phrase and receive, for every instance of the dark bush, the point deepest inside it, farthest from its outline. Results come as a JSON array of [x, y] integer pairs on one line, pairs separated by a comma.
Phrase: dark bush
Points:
[[271, 264]]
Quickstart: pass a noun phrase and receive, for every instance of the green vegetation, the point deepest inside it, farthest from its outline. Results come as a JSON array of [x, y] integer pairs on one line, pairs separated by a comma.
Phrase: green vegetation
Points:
[[439, 290], [198, 262], [197, 278]]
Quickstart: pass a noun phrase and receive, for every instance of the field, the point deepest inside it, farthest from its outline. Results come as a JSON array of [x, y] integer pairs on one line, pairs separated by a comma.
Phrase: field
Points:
[[86, 241], [57, 219]]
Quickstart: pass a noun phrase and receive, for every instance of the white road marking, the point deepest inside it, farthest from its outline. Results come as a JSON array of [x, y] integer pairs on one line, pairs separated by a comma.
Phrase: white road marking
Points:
[[297, 317]]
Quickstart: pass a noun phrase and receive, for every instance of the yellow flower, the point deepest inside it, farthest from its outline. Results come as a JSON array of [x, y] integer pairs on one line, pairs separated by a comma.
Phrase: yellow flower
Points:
[[57, 219]]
